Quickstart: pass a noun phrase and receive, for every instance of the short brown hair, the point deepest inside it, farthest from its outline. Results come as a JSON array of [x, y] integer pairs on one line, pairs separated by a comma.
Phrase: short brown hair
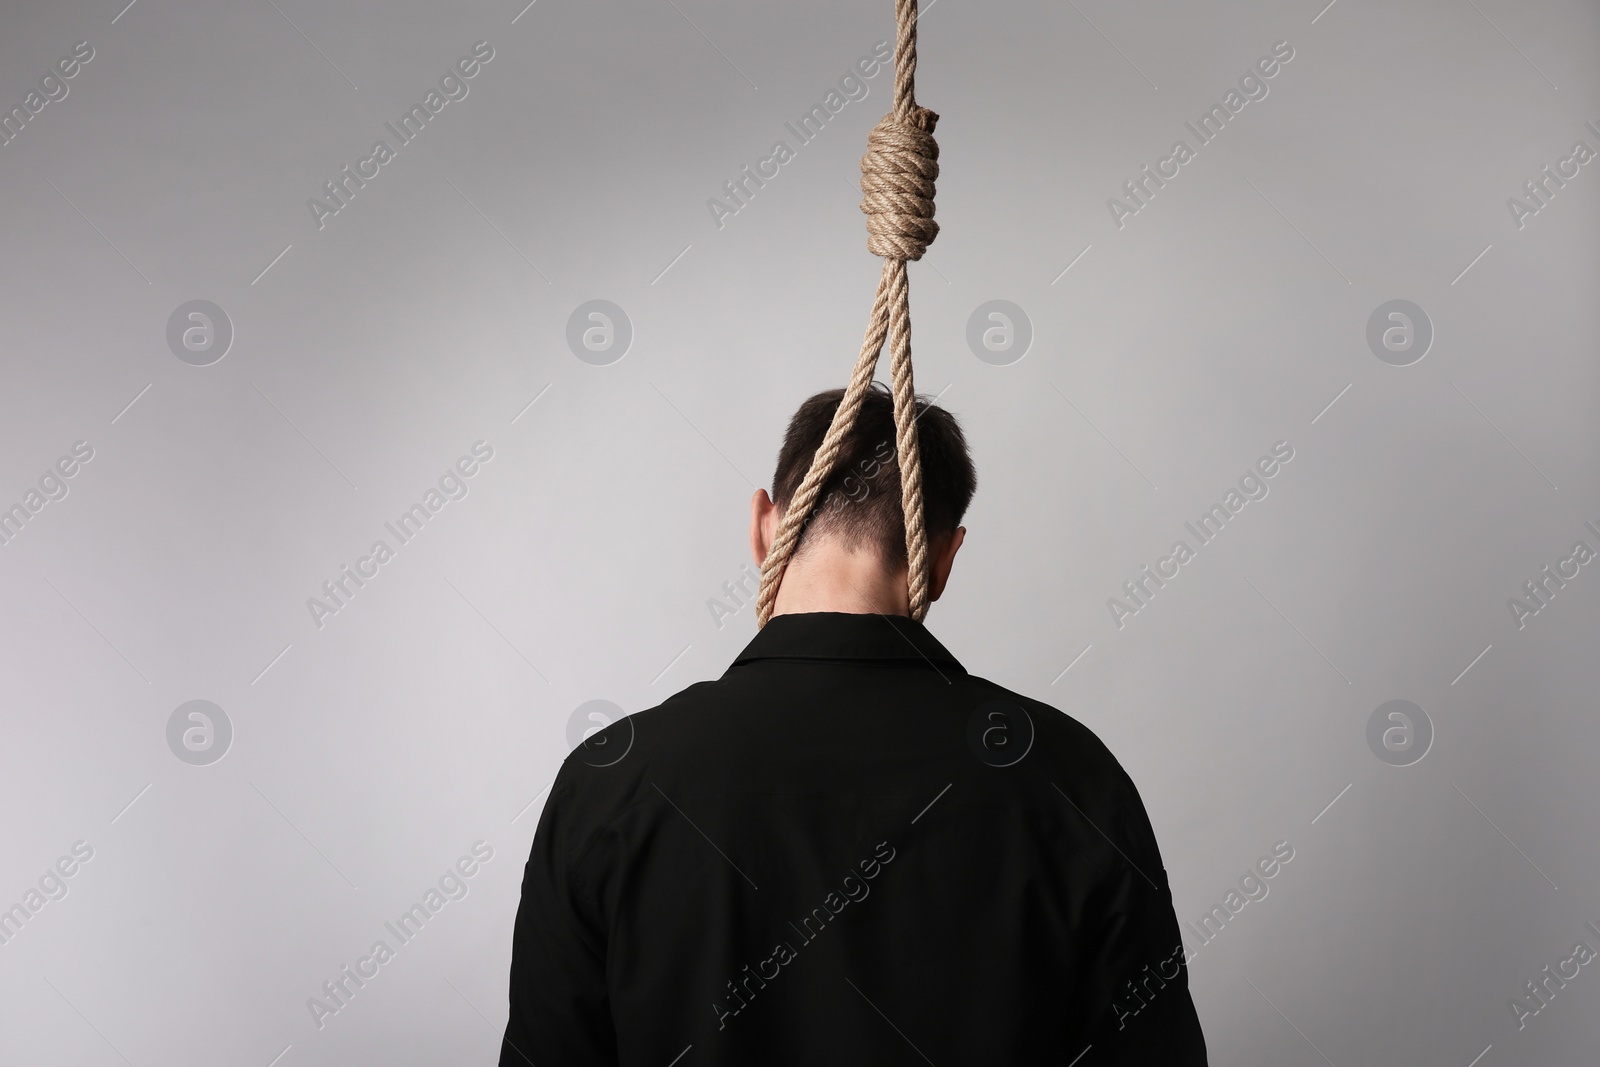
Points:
[[860, 501]]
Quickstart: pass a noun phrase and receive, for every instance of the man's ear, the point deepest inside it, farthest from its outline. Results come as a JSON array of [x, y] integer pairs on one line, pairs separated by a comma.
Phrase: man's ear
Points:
[[763, 525], [943, 559]]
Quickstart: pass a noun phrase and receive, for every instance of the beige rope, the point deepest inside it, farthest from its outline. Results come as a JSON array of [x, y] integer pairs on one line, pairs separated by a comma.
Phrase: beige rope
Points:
[[897, 176]]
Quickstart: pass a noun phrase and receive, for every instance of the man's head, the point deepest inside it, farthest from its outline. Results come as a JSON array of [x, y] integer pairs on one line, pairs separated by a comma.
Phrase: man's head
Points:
[[852, 552]]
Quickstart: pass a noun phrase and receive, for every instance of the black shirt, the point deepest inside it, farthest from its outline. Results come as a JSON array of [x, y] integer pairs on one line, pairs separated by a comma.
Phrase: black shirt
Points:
[[846, 850]]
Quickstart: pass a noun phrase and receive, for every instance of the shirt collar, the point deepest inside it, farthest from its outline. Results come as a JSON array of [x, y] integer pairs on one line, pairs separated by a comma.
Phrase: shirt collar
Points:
[[836, 635]]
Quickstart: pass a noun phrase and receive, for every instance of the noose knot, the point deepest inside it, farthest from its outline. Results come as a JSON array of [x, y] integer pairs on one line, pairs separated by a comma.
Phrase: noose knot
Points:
[[897, 175]]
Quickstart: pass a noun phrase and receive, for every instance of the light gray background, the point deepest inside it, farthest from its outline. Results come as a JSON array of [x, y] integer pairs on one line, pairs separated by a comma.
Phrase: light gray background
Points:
[[432, 711]]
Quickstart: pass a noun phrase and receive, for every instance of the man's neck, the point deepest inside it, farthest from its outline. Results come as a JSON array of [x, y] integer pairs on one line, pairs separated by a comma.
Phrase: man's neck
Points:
[[829, 577]]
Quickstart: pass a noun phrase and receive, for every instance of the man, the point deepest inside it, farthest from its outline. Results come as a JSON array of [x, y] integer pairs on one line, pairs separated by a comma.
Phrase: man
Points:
[[848, 850]]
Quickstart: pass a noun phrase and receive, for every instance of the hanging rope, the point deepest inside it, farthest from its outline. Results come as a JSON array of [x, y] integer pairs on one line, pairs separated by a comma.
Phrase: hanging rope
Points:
[[897, 176]]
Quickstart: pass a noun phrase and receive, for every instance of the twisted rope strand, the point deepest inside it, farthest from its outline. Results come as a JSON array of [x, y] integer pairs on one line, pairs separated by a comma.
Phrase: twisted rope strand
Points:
[[905, 56], [897, 192], [905, 423]]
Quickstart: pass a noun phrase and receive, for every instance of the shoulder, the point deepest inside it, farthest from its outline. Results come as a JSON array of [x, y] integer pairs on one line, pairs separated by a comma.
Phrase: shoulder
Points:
[[1059, 737], [615, 770], [1064, 759], [609, 767]]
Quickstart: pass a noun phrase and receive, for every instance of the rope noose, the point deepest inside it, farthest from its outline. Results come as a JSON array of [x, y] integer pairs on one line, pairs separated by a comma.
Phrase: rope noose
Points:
[[897, 176]]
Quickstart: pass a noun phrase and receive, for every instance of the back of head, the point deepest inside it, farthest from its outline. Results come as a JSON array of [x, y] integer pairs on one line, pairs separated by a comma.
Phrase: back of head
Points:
[[859, 504]]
